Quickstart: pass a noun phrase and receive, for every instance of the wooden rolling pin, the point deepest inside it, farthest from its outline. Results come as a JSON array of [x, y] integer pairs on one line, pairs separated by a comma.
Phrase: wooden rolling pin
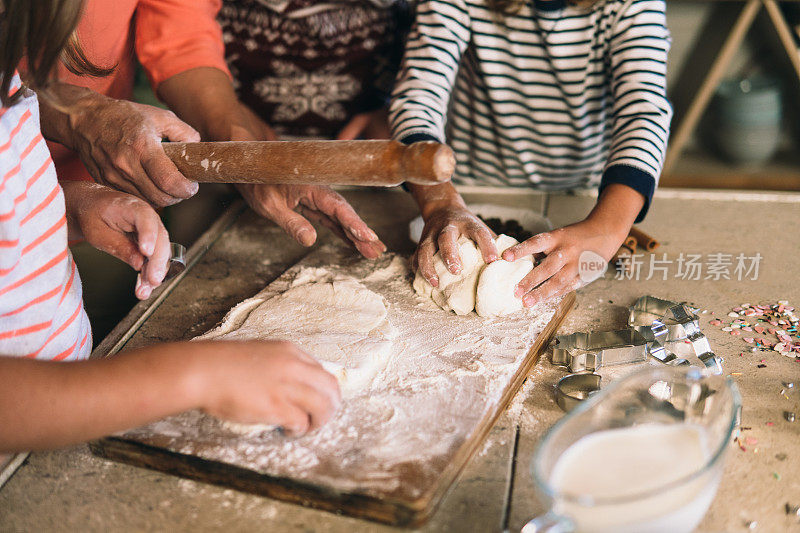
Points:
[[372, 163]]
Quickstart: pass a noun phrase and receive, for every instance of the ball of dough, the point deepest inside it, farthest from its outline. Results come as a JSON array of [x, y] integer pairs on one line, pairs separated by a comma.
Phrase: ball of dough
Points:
[[456, 292], [495, 290], [488, 289], [504, 242]]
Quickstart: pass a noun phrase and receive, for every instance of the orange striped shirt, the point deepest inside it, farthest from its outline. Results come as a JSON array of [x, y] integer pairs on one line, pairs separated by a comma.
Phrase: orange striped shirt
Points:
[[41, 309]]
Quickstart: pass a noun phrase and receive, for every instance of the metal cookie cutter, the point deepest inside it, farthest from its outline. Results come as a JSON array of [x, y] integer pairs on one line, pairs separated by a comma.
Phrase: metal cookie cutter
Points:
[[657, 334], [176, 264], [177, 260], [649, 308], [573, 389], [661, 321], [683, 315], [589, 351], [702, 349]]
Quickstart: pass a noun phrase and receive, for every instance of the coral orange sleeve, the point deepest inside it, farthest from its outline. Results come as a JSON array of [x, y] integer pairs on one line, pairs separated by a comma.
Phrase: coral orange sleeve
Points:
[[173, 36]]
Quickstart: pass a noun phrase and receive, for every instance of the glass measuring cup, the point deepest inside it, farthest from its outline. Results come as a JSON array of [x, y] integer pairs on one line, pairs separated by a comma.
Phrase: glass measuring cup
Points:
[[643, 455]]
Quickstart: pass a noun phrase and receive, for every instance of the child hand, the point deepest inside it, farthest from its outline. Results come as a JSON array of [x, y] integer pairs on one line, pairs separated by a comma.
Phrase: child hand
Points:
[[557, 274], [121, 225], [270, 382], [443, 226]]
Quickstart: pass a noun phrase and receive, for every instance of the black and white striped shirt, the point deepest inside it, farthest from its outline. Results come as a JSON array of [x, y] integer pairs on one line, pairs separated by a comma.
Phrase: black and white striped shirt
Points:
[[555, 97]]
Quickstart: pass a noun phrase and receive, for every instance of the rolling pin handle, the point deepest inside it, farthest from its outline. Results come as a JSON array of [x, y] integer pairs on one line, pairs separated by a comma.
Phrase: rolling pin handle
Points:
[[371, 163], [428, 163]]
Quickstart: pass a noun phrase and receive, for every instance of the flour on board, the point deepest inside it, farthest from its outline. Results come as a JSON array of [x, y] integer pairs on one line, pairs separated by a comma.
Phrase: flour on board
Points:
[[443, 374]]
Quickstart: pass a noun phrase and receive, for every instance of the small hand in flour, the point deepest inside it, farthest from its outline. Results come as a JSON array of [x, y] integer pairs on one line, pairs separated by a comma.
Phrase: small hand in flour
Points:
[[293, 206], [270, 382], [444, 224], [121, 225], [119, 142]]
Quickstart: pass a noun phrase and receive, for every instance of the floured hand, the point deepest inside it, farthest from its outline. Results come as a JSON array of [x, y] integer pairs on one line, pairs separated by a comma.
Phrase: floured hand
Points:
[[293, 207], [602, 232], [121, 225], [268, 382], [119, 142], [443, 227]]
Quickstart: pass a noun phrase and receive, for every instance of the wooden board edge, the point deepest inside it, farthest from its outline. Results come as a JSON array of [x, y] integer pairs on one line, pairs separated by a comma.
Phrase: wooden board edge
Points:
[[283, 489], [424, 507]]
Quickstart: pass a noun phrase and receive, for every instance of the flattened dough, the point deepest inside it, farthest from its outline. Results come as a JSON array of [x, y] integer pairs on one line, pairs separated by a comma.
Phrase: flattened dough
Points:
[[341, 323]]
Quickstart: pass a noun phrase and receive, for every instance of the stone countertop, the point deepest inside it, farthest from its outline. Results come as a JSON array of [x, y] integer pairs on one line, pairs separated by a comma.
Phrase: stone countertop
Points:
[[71, 489]]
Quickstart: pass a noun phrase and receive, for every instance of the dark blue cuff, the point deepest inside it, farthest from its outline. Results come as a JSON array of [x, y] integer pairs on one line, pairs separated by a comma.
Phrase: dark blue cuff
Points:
[[417, 137], [638, 180]]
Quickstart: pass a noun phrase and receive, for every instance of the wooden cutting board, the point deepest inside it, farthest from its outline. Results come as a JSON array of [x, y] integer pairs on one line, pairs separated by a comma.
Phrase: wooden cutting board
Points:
[[390, 455]]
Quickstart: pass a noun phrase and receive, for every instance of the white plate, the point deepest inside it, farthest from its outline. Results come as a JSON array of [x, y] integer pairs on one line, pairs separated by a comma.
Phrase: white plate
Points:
[[529, 220]]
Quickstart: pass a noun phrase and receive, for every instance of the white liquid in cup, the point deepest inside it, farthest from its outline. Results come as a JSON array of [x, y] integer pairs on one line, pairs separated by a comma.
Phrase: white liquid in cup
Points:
[[626, 462]]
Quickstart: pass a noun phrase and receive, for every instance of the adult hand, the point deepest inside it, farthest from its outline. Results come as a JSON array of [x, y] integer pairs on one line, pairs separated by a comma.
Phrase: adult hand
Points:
[[445, 222], [120, 144], [222, 117], [292, 206], [121, 225], [271, 382], [370, 125]]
